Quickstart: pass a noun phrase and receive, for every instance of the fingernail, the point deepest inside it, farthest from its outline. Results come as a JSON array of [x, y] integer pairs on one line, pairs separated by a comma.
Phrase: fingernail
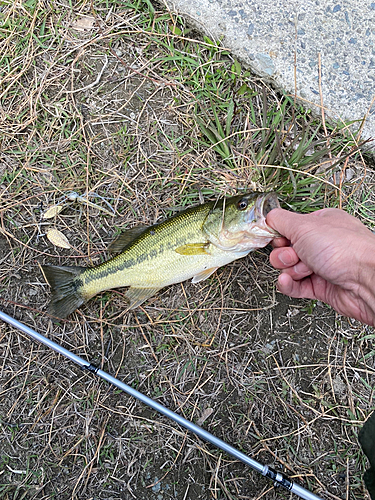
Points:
[[286, 258], [301, 268]]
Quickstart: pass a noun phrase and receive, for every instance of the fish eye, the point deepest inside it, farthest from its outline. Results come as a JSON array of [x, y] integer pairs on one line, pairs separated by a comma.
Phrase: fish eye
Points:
[[242, 204]]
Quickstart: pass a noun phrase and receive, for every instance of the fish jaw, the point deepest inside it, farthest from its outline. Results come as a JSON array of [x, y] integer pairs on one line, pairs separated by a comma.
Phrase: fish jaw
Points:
[[251, 230], [258, 225]]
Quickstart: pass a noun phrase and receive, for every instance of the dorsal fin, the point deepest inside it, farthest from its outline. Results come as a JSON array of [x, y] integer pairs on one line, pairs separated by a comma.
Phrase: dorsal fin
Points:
[[125, 238]]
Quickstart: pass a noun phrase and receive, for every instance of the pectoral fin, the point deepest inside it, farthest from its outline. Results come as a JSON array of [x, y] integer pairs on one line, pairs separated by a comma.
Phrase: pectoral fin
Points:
[[125, 238], [136, 296], [193, 249], [203, 275]]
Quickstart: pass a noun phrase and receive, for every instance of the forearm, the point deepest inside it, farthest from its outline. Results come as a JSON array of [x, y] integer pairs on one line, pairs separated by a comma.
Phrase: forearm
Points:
[[366, 277]]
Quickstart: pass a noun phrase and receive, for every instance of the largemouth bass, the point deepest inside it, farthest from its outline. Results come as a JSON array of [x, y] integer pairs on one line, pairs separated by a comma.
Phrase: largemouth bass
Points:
[[192, 244]]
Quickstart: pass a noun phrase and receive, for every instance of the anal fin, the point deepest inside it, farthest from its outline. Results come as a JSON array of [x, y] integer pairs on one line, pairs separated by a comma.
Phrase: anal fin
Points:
[[203, 275], [136, 296]]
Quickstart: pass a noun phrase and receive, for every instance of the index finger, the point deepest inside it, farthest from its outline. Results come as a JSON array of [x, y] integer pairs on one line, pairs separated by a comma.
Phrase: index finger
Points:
[[280, 242]]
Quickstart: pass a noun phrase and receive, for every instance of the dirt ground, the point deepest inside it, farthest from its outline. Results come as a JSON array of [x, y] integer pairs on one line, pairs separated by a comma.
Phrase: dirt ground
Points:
[[287, 382]]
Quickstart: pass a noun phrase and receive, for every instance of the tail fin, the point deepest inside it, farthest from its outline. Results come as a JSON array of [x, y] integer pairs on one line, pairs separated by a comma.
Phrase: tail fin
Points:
[[65, 288]]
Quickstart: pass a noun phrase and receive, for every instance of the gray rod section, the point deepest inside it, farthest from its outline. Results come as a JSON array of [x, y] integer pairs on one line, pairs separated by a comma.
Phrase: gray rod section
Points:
[[203, 434]]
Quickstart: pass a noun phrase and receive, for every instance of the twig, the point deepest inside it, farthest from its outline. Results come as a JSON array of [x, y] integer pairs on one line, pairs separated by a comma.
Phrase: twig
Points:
[[93, 84]]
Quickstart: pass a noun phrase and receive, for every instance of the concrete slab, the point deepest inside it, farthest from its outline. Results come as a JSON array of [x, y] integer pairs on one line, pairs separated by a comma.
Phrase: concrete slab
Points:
[[282, 39]]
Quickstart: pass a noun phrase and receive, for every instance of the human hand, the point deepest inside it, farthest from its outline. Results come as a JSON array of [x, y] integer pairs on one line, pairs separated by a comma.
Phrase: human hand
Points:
[[327, 255]]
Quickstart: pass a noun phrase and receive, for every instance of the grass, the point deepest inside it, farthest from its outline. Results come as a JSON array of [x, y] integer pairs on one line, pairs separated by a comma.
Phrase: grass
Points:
[[172, 118]]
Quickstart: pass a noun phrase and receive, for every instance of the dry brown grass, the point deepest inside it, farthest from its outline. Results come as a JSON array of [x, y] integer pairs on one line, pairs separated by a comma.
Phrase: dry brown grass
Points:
[[103, 112]]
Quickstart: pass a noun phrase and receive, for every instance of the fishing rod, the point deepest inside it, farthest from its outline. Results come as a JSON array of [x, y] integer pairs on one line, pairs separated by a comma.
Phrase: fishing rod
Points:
[[278, 478]]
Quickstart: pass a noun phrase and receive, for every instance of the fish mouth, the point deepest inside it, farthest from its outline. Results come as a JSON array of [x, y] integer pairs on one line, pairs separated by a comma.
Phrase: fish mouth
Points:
[[268, 203], [263, 207]]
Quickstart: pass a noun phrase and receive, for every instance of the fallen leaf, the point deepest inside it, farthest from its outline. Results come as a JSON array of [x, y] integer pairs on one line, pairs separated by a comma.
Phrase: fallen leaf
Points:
[[207, 412], [57, 238], [52, 211], [83, 23]]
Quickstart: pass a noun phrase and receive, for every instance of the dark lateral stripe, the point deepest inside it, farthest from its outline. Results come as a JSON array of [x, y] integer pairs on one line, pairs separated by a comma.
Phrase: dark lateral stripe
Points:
[[122, 262]]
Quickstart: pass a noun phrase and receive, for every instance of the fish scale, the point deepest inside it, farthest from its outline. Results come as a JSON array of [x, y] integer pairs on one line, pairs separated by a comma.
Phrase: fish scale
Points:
[[152, 252]]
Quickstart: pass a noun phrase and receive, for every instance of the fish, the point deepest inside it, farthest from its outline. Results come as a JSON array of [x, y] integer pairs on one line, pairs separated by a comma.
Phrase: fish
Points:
[[190, 245]]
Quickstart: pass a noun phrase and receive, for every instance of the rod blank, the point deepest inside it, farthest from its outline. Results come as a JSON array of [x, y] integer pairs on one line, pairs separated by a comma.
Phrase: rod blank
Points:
[[276, 476]]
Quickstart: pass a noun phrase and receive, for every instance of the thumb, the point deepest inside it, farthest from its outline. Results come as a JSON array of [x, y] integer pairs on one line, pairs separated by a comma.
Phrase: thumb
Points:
[[285, 222]]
